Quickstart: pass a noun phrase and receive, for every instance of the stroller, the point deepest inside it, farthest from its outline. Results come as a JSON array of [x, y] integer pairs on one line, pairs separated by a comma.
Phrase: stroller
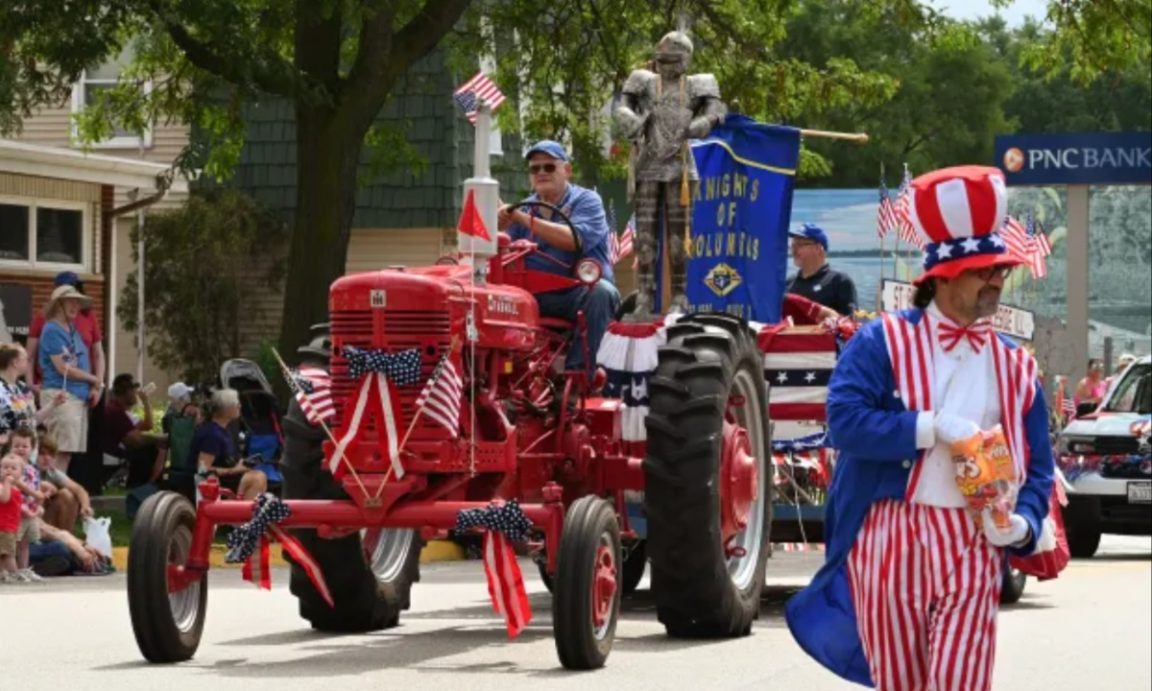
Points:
[[258, 431]]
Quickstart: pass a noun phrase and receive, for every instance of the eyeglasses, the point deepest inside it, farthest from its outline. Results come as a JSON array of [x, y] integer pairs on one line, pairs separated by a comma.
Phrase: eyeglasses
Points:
[[986, 274], [536, 168]]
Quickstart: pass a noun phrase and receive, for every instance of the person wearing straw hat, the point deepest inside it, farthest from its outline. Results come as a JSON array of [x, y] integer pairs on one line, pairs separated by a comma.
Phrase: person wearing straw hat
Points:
[[909, 592], [64, 360]]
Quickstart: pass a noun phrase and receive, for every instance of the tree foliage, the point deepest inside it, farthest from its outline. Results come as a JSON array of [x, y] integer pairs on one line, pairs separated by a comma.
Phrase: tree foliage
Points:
[[201, 264]]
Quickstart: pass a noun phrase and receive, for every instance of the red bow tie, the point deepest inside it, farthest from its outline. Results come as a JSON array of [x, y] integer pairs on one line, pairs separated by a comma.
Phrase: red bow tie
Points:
[[976, 333]]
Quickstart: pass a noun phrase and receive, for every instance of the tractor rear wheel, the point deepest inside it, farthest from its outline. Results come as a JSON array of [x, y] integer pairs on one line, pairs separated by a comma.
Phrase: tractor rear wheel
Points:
[[586, 599], [707, 477], [370, 574], [167, 624]]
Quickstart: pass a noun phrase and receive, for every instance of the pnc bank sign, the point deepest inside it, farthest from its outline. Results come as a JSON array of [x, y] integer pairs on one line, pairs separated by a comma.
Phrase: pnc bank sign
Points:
[[1075, 159]]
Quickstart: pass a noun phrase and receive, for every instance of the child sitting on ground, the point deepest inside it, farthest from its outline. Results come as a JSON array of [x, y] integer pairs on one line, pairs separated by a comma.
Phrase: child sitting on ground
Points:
[[21, 445], [10, 503]]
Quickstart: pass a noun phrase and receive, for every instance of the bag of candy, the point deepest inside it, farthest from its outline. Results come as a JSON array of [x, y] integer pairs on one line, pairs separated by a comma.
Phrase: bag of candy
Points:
[[985, 473]]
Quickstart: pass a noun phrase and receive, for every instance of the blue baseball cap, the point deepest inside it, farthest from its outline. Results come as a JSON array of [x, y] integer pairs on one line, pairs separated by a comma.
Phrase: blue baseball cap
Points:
[[548, 148], [67, 278], [812, 232]]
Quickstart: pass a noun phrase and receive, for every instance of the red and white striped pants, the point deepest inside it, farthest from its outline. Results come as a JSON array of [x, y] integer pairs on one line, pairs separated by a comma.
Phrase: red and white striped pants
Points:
[[926, 589]]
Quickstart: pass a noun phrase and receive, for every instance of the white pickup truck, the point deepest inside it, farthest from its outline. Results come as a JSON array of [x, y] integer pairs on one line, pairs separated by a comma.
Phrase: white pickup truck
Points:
[[1107, 458]]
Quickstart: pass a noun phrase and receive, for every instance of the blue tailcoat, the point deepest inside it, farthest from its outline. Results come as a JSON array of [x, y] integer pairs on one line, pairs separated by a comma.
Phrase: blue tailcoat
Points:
[[875, 436]]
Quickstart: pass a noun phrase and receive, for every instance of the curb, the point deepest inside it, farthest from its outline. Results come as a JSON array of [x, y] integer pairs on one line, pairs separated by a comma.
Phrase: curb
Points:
[[434, 550]]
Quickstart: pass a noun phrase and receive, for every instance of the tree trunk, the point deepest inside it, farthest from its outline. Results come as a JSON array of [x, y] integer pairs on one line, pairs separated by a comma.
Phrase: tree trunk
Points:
[[327, 152]]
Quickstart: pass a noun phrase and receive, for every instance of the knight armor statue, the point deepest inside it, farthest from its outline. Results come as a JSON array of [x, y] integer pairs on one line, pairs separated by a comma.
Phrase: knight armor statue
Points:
[[660, 111]]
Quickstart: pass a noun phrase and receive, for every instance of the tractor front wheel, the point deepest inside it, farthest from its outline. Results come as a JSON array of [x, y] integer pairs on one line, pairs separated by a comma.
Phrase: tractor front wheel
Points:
[[586, 600], [370, 574], [167, 611], [707, 476]]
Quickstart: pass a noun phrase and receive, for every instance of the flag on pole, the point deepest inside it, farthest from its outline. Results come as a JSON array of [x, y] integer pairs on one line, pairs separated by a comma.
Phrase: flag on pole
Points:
[[620, 245], [1042, 241], [903, 211], [885, 213], [440, 399], [1038, 249], [1015, 238], [312, 388], [479, 88], [470, 221]]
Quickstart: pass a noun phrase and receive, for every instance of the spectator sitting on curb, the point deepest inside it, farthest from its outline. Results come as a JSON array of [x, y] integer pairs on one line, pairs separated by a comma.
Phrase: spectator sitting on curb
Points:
[[60, 553], [180, 404], [130, 439], [70, 500]]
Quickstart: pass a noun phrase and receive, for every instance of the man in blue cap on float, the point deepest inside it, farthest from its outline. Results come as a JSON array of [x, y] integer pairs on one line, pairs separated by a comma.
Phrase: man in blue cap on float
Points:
[[559, 250], [815, 280]]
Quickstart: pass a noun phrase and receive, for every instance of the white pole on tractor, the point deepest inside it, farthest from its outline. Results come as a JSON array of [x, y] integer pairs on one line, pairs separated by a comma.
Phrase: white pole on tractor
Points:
[[486, 193]]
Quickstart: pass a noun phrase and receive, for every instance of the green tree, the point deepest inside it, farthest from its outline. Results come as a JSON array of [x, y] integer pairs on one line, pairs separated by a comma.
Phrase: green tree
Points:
[[949, 89], [200, 262], [337, 60]]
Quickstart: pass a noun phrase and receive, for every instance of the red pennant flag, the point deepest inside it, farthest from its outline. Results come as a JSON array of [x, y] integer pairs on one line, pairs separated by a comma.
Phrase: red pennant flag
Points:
[[470, 221], [258, 568], [505, 583]]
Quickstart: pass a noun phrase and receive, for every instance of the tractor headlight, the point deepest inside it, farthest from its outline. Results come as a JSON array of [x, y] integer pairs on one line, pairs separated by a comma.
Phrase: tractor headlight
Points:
[[588, 271]]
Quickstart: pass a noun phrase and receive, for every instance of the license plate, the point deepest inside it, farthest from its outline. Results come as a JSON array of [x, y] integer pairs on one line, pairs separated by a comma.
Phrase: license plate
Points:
[[1140, 492]]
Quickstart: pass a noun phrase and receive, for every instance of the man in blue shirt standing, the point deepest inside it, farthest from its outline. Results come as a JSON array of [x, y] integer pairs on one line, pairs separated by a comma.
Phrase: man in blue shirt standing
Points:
[[559, 250]]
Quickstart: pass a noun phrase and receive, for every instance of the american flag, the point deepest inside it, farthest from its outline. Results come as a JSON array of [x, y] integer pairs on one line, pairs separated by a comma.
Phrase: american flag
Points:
[[312, 388], [885, 213], [1038, 246], [478, 88], [903, 212], [1016, 238], [620, 244], [440, 399]]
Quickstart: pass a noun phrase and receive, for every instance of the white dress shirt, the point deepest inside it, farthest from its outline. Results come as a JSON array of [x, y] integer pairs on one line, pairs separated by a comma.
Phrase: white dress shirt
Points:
[[964, 384]]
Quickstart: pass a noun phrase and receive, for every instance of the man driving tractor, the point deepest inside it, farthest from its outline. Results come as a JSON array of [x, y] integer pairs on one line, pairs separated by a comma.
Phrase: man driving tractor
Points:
[[559, 250]]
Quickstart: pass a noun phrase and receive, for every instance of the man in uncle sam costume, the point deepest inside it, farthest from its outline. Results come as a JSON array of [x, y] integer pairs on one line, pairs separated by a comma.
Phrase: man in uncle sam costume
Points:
[[908, 596]]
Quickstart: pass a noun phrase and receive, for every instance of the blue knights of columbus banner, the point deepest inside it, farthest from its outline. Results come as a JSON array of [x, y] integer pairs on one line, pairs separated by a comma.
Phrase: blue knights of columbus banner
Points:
[[740, 215]]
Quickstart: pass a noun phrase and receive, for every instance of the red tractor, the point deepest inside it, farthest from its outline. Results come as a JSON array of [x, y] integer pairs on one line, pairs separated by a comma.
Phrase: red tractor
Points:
[[528, 431]]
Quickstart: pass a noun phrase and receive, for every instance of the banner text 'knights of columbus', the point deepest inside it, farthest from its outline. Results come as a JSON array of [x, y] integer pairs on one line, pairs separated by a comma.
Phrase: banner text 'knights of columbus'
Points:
[[740, 215]]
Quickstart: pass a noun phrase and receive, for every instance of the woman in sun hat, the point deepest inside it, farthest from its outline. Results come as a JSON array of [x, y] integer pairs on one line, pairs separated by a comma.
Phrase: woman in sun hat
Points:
[[64, 360]]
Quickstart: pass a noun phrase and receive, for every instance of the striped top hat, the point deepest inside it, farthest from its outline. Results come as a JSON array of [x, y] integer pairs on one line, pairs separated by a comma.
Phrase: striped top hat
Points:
[[958, 212]]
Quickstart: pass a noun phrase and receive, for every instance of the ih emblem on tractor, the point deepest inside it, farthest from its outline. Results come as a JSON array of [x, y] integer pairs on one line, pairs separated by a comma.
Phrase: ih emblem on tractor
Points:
[[722, 279], [378, 299]]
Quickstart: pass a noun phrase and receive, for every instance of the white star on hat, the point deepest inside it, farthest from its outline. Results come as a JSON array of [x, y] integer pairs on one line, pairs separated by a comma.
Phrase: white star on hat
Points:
[[782, 377], [944, 251], [996, 240], [810, 377], [970, 245]]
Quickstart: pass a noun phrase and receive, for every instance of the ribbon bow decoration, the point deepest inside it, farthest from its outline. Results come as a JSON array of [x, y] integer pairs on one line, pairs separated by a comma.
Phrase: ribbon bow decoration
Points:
[[502, 525], [267, 511], [401, 368], [976, 334]]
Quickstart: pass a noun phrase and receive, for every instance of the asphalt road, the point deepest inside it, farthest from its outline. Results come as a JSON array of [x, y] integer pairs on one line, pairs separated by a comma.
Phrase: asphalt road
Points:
[[1090, 629]]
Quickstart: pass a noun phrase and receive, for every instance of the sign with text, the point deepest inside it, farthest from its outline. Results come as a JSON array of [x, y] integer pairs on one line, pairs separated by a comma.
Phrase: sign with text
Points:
[[1009, 320], [1105, 158]]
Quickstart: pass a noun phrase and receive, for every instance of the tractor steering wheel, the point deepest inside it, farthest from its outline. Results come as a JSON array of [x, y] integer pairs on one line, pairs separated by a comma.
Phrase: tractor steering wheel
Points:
[[563, 216]]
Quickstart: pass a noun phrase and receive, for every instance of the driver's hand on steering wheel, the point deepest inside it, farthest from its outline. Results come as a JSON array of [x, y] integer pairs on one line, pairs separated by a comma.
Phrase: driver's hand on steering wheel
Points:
[[504, 216]]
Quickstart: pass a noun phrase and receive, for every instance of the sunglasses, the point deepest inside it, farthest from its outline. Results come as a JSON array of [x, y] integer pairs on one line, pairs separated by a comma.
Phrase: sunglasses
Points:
[[986, 274], [536, 168]]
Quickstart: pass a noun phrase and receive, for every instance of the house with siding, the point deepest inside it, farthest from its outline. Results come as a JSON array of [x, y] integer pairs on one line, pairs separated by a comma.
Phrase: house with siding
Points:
[[66, 210]]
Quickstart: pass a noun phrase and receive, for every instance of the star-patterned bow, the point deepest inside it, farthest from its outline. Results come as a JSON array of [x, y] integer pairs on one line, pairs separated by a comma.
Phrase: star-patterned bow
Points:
[[508, 519], [976, 334], [502, 525], [243, 541], [401, 368]]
